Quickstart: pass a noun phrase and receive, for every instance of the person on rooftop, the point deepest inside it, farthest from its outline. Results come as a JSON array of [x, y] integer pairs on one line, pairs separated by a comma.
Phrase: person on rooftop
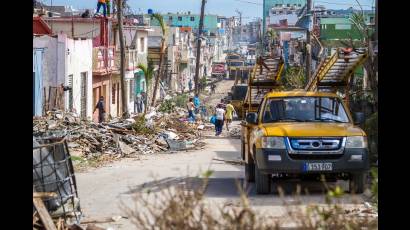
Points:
[[102, 3]]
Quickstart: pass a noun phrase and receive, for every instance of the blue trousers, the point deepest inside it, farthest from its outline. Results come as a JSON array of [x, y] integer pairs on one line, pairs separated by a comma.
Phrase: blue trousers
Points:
[[218, 126], [191, 114], [104, 6]]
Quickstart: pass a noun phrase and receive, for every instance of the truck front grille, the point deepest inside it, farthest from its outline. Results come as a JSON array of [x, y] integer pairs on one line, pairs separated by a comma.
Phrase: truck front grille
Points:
[[316, 144], [315, 148]]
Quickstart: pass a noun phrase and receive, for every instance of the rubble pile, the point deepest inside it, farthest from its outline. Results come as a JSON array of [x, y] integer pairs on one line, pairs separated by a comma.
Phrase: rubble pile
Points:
[[161, 132], [235, 132]]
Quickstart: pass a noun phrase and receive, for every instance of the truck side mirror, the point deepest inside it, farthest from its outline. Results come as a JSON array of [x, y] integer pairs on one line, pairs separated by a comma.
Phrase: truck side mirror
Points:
[[358, 118], [252, 118]]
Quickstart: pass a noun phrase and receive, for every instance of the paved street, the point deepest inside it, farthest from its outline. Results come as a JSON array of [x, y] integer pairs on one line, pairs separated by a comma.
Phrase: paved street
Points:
[[102, 190]]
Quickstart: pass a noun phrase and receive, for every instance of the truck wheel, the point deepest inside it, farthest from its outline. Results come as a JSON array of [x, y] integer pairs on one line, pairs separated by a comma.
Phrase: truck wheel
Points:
[[356, 183], [250, 170], [262, 181]]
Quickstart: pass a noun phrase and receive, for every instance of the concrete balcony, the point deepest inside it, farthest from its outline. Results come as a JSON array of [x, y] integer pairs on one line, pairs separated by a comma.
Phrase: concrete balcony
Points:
[[132, 59], [103, 60]]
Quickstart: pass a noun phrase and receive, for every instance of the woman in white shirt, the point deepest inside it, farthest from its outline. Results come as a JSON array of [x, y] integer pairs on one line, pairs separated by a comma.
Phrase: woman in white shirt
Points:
[[220, 113]]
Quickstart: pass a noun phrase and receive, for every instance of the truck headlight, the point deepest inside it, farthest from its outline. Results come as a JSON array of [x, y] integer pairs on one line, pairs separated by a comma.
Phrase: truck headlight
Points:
[[356, 142], [273, 143]]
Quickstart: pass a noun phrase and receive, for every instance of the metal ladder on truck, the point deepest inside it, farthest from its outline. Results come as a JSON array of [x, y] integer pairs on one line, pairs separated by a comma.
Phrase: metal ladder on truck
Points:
[[261, 83], [334, 73]]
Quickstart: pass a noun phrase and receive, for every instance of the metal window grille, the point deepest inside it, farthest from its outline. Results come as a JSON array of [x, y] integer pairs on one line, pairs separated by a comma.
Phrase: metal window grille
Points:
[[113, 94], [70, 92]]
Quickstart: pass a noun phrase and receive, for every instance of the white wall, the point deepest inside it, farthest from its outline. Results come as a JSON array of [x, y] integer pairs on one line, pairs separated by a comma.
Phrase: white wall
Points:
[[142, 34], [129, 75], [62, 57], [87, 28], [54, 59], [79, 60]]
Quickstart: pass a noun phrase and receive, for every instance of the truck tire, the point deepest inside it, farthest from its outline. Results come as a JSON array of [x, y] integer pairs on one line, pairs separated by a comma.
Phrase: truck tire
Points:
[[356, 183], [262, 181], [250, 170]]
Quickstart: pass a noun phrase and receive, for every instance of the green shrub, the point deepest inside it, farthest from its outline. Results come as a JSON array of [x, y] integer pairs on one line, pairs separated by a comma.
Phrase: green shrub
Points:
[[375, 187], [181, 100], [167, 106], [371, 129], [140, 126]]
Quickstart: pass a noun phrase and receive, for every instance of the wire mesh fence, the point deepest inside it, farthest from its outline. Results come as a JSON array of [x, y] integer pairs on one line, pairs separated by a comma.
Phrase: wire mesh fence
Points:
[[53, 172]]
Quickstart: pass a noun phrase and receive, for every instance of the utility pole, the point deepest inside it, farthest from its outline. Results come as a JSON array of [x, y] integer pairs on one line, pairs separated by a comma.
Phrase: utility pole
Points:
[[240, 24], [377, 20], [308, 46], [198, 47], [125, 113]]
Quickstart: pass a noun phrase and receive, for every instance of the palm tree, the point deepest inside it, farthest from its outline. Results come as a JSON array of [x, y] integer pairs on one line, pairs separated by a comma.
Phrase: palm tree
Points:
[[148, 73], [358, 20], [160, 19], [272, 36]]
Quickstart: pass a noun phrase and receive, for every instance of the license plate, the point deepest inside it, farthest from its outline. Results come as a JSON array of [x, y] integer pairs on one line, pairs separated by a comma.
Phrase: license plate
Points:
[[318, 167]]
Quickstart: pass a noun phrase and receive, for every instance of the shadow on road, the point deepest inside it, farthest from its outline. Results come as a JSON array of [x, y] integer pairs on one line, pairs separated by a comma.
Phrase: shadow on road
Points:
[[226, 187]]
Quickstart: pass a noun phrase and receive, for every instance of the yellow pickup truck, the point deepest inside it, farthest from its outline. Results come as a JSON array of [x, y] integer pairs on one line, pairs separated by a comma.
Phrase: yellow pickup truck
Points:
[[300, 133]]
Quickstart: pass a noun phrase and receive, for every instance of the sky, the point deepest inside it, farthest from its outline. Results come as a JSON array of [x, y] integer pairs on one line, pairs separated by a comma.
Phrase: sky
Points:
[[250, 9]]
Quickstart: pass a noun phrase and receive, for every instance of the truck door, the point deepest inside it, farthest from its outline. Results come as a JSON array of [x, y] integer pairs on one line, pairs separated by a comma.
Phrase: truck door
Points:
[[246, 133]]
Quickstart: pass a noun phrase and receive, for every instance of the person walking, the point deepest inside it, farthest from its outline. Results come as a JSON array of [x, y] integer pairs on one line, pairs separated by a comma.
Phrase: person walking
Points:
[[138, 103], [213, 87], [197, 103], [101, 3], [229, 114], [190, 85], [143, 100], [190, 106], [108, 5], [219, 112], [101, 109]]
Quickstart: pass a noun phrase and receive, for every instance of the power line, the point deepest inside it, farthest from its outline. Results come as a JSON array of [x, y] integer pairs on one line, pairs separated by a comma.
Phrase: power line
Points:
[[343, 4], [255, 3]]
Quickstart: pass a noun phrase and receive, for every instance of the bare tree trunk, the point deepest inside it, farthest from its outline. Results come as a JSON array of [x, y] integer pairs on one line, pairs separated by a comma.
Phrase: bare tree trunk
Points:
[[157, 78], [125, 113]]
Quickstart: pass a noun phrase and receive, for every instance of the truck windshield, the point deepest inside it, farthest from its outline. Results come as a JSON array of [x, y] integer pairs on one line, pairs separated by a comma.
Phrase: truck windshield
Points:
[[304, 109], [235, 63]]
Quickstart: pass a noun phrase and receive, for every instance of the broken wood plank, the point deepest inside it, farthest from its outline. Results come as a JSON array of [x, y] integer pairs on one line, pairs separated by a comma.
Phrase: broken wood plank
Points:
[[44, 215], [102, 220], [44, 194]]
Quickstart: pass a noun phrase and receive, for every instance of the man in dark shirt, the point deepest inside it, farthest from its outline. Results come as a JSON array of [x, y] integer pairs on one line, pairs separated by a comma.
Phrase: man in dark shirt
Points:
[[101, 109]]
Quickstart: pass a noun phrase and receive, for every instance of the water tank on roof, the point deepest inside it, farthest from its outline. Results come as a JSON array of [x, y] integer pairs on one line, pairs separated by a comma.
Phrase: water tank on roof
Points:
[[150, 11]]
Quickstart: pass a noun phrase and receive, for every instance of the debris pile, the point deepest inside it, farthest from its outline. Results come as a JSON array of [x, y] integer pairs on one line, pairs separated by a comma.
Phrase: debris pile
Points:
[[235, 132], [156, 132]]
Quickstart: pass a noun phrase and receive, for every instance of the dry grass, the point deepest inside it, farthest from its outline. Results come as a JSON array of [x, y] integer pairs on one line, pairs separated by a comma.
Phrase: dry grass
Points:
[[183, 206]]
